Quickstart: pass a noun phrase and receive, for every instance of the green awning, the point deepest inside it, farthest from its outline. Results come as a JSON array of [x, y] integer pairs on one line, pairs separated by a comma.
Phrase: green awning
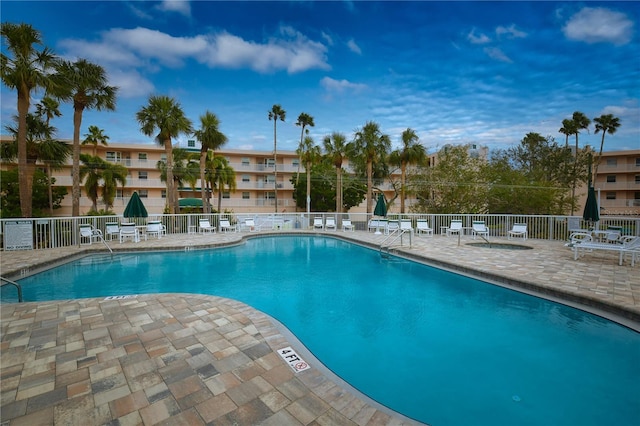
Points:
[[190, 202]]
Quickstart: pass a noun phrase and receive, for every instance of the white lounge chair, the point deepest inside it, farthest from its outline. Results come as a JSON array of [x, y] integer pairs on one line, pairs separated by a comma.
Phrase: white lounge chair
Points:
[[479, 228], [347, 225], [129, 231], [422, 227], [111, 230], [405, 225], [582, 243], [205, 226], [454, 228], [249, 224], [392, 226], [318, 223], [518, 230], [226, 226], [89, 234], [330, 223], [155, 227]]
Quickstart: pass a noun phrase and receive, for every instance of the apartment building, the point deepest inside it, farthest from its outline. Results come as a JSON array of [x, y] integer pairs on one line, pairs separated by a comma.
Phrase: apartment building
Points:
[[618, 183]]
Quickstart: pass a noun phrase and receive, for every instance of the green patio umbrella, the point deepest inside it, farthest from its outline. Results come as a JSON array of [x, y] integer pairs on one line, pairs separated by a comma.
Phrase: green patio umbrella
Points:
[[380, 210], [381, 206], [135, 208], [591, 210]]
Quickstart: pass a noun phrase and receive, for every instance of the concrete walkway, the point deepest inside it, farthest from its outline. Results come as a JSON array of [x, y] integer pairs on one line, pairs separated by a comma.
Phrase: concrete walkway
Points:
[[191, 359]]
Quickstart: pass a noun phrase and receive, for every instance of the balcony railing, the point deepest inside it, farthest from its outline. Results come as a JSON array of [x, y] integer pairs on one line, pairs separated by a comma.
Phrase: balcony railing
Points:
[[45, 233]]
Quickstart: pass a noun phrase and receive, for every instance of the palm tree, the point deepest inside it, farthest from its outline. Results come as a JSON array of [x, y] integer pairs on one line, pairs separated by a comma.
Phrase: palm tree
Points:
[[568, 128], [606, 123], [371, 146], [165, 116], [308, 153], [91, 169], [85, 84], [580, 121], [112, 175], [276, 113], [335, 147], [40, 147], [94, 137], [304, 120], [53, 153], [412, 152], [49, 108], [210, 139], [28, 69], [221, 174], [184, 169]]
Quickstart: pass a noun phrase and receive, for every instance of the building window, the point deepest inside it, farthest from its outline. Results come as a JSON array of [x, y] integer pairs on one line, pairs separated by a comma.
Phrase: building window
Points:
[[637, 178], [246, 178], [142, 175], [270, 195], [191, 143], [269, 162], [143, 193], [114, 157], [612, 162], [142, 157], [246, 195], [245, 161], [636, 195], [163, 157], [163, 193], [226, 194], [638, 162], [295, 162], [118, 193], [611, 195], [611, 178]]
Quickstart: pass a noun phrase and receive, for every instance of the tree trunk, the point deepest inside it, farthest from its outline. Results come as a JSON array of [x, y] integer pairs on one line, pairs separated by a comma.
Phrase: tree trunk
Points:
[[339, 202], [203, 190], [25, 179], [50, 190], [170, 195], [75, 173], [369, 185], [275, 164], [403, 171], [308, 167]]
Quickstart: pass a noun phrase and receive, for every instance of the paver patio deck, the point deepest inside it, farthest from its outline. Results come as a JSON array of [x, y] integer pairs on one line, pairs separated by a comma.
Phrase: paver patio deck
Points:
[[194, 359]]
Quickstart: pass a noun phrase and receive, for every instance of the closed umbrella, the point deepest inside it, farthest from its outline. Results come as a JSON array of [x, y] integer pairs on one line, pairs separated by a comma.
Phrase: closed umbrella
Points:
[[135, 208], [380, 210], [591, 210]]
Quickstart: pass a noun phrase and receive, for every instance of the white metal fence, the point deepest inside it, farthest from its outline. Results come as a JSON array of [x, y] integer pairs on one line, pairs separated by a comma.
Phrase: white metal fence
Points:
[[57, 232]]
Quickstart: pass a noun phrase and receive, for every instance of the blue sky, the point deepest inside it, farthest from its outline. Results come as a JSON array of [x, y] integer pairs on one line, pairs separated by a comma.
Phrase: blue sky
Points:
[[455, 72]]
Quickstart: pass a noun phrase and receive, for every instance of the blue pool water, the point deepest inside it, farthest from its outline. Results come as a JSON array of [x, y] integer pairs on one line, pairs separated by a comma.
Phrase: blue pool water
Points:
[[438, 347]]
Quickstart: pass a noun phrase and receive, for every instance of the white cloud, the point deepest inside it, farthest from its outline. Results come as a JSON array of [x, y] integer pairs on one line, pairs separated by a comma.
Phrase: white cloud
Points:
[[327, 38], [130, 83], [169, 50], [340, 85], [351, 44], [497, 54], [510, 31], [477, 39], [180, 6], [599, 25]]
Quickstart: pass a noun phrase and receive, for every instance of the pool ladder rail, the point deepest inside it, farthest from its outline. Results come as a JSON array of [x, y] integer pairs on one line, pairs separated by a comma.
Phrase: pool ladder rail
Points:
[[393, 237], [4, 281]]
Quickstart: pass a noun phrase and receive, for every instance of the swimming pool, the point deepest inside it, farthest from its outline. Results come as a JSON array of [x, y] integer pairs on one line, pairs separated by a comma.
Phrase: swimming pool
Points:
[[435, 346]]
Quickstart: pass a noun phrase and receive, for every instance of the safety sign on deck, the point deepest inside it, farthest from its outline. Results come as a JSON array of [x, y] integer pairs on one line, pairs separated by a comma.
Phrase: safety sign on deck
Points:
[[293, 359]]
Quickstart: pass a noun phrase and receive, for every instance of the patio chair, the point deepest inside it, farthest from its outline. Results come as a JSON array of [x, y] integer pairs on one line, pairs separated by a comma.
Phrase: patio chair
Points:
[[129, 231], [422, 227], [317, 223], [226, 226], [479, 228], [582, 243], [454, 228], [250, 225], [518, 230], [205, 226], [330, 223], [89, 234], [405, 225], [392, 226], [155, 227], [347, 225], [111, 230]]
